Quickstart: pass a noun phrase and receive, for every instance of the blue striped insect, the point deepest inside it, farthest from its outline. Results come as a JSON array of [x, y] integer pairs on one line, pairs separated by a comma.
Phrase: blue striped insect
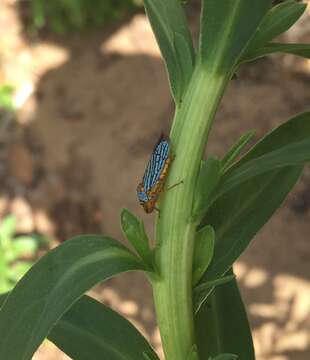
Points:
[[155, 174]]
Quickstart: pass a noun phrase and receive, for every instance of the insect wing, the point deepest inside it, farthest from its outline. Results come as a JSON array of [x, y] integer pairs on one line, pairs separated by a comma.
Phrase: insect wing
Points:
[[156, 164]]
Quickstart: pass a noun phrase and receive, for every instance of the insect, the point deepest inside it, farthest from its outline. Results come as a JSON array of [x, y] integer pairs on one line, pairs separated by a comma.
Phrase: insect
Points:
[[154, 177]]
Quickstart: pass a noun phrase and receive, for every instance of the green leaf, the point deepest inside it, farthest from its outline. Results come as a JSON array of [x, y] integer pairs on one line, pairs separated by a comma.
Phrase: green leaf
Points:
[[278, 20], [235, 150], [209, 177], [169, 25], [204, 289], [184, 56], [302, 50], [52, 285], [238, 215], [287, 145], [226, 28], [225, 357], [6, 97], [295, 130], [222, 325], [91, 330], [292, 154], [8, 227], [203, 252], [24, 246], [133, 229]]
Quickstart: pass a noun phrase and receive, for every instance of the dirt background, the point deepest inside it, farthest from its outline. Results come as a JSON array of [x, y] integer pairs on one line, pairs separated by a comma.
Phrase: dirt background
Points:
[[90, 107]]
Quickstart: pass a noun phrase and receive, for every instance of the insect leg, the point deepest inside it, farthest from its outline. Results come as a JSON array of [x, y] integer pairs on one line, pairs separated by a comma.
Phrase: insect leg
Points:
[[174, 185]]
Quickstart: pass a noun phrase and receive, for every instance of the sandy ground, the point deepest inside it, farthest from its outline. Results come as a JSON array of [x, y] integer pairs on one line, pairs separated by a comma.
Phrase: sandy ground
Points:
[[91, 108]]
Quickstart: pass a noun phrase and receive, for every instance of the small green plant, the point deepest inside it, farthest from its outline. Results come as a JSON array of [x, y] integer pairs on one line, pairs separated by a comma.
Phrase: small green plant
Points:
[[67, 15], [6, 98], [16, 253], [205, 222]]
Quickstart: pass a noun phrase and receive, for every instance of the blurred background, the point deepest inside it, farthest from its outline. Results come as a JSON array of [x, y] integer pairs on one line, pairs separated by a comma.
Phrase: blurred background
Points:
[[83, 99]]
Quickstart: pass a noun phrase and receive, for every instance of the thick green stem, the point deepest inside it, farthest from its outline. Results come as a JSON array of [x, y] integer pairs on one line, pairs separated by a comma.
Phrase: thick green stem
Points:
[[175, 232]]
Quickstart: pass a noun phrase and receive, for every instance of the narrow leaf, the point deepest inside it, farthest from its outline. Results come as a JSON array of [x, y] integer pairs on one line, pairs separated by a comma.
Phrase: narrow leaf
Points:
[[287, 145], [185, 58], [302, 50], [294, 130], [203, 252], [204, 289], [133, 229], [235, 150], [222, 325], [52, 285], [209, 176], [163, 33], [292, 154], [226, 29], [167, 19], [278, 20], [240, 213], [91, 330]]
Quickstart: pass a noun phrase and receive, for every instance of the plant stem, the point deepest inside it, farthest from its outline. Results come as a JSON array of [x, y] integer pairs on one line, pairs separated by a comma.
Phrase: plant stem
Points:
[[175, 231]]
